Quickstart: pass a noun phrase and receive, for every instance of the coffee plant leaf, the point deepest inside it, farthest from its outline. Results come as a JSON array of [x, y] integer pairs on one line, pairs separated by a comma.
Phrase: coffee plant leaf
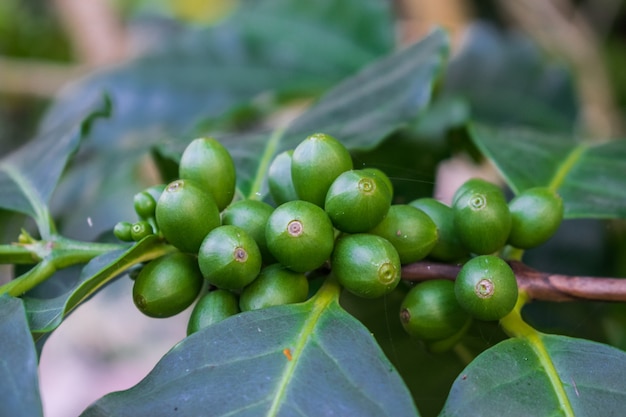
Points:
[[546, 376], [309, 359], [589, 176], [19, 396], [361, 111], [29, 175], [282, 47]]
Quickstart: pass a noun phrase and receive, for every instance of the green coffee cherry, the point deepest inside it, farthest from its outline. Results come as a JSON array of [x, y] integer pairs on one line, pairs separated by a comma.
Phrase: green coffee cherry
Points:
[[300, 235], [279, 178], [145, 205], [357, 201], [536, 215], [448, 247], [486, 287], [409, 230], [212, 308], [276, 285], [366, 265], [381, 175], [229, 258], [185, 214], [121, 230], [474, 184], [251, 216], [430, 311], [315, 164], [482, 218], [207, 162], [141, 229], [167, 285]]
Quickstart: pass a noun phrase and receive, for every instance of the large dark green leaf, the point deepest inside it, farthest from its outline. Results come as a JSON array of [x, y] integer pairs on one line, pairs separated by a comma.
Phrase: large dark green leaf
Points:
[[19, 396], [506, 79], [45, 315], [281, 46], [361, 111], [311, 359], [552, 376], [590, 177], [29, 175], [266, 49]]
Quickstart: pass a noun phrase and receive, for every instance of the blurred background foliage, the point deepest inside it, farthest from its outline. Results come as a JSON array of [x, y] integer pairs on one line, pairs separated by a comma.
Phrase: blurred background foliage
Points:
[[175, 69]]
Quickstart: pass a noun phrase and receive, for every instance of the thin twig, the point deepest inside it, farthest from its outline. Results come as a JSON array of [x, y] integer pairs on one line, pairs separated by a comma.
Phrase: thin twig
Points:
[[538, 285]]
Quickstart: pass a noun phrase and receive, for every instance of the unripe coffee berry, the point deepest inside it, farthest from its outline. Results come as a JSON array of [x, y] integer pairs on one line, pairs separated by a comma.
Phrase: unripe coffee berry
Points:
[[315, 164], [140, 229], [536, 215], [185, 214], [357, 201], [251, 216], [144, 204], [448, 247], [207, 162], [381, 175], [122, 229], [212, 308], [167, 285], [409, 230], [366, 265], [300, 235], [486, 287], [482, 218], [275, 285], [229, 258], [279, 178], [430, 311], [474, 184]]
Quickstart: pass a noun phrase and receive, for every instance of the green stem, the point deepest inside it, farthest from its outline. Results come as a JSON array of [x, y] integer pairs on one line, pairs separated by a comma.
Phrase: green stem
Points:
[[566, 166], [266, 159], [463, 353], [515, 326], [17, 254], [58, 254], [511, 253], [38, 274]]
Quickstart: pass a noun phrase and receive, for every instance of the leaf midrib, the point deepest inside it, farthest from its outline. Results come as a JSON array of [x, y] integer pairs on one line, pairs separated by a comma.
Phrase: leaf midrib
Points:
[[42, 217], [515, 326], [326, 295], [566, 166]]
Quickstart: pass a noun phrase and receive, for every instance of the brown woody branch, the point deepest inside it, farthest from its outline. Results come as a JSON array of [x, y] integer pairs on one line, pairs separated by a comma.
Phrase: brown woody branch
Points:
[[538, 285]]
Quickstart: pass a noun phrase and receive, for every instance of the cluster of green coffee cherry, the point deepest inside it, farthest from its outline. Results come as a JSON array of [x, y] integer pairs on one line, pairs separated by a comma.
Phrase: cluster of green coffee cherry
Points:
[[328, 215], [475, 231]]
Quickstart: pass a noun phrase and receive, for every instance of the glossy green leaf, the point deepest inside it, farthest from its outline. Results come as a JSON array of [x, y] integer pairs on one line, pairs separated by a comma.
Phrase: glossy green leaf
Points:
[[45, 315], [590, 177], [29, 175], [19, 396], [361, 111], [280, 46], [311, 359], [512, 379]]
